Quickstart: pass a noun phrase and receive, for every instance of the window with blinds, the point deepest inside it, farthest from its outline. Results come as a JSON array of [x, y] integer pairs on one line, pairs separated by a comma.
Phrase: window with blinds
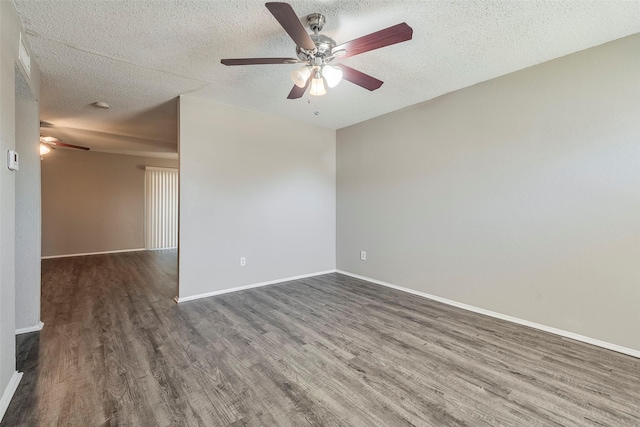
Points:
[[161, 208]]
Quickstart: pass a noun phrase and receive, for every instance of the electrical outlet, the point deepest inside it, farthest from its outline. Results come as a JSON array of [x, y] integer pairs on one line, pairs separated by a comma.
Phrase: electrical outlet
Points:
[[363, 255], [243, 262]]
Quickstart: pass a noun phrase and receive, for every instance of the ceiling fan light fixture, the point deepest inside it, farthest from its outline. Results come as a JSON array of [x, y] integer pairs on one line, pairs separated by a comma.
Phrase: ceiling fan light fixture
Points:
[[44, 149], [301, 76], [317, 84], [332, 75], [317, 87]]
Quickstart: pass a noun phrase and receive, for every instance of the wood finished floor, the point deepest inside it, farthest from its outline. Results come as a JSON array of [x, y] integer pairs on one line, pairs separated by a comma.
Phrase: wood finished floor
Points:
[[330, 350]]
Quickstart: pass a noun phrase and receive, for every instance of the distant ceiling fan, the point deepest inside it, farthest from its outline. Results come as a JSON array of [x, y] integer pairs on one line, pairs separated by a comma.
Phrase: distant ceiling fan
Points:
[[316, 51], [47, 143]]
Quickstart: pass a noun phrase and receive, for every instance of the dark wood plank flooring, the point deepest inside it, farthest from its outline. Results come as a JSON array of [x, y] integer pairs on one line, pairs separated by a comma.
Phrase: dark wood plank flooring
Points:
[[325, 351]]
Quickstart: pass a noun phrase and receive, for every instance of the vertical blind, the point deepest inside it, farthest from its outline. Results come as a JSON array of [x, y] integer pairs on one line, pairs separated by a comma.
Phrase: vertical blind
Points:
[[161, 208]]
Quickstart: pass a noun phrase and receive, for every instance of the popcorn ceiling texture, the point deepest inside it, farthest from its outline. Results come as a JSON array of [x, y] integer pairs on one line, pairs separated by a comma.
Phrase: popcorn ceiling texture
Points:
[[138, 56]]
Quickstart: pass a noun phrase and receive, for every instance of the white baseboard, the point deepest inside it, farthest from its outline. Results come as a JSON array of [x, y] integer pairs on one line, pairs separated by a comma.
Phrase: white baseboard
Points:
[[255, 285], [35, 328], [556, 331], [9, 392], [93, 253]]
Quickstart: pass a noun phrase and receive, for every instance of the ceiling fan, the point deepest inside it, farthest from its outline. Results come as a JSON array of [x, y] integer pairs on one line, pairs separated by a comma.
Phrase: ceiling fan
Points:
[[316, 51], [47, 143], [50, 142]]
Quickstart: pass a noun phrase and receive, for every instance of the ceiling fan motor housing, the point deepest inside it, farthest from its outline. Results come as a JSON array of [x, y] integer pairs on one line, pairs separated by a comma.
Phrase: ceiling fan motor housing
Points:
[[324, 45]]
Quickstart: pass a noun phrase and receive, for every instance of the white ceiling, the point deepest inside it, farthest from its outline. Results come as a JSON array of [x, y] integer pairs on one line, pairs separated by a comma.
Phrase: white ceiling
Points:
[[138, 56]]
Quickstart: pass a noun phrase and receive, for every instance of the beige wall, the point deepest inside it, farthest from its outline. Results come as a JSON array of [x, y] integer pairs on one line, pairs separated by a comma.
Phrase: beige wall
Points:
[[519, 195], [10, 28], [256, 186], [93, 202]]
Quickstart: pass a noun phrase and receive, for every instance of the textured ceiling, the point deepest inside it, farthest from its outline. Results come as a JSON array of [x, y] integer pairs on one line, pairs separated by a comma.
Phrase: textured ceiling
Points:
[[138, 56]]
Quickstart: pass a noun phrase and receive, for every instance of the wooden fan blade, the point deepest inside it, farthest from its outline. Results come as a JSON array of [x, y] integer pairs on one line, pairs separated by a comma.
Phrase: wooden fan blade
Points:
[[259, 61], [359, 78], [64, 144], [297, 91], [392, 35], [286, 16]]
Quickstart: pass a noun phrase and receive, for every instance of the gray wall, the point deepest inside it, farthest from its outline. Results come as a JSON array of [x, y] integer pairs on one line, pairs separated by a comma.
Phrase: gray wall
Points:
[[256, 186], [27, 208], [519, 195], [9, 35], [93, 202]]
